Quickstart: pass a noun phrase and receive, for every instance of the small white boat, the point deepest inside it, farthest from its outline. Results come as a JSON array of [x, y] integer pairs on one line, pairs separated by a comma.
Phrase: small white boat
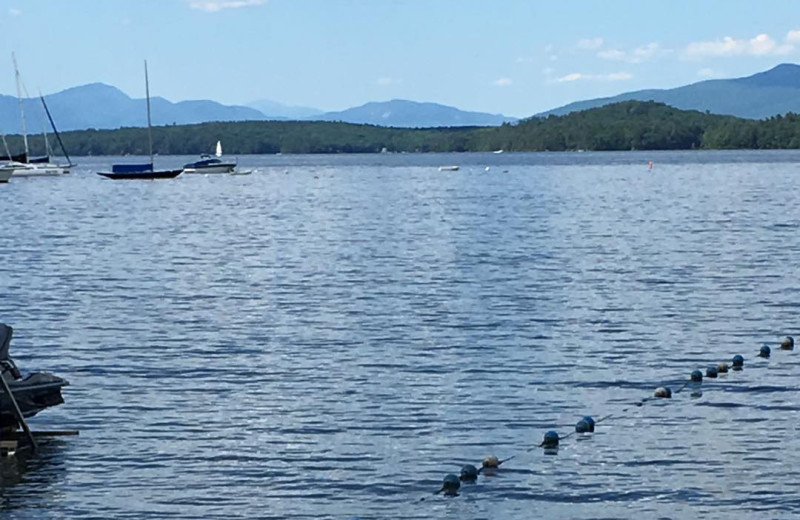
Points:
[[36, 169], [208, 164], [498, 151], [448, 168]]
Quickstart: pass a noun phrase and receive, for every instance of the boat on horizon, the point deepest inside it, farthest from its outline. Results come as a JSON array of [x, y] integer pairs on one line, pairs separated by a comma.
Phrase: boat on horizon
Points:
[[448, 168], [33, 393], [142, 171], [209, 164]]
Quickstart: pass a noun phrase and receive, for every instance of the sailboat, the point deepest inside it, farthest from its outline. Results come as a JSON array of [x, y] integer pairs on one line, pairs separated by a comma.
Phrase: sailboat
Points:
[[208, 164], [22, 165], [141, 171]]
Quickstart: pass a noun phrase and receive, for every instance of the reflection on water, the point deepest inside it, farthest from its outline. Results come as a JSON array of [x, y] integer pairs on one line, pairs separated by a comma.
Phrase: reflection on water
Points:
[[330, 336], [30, 482]]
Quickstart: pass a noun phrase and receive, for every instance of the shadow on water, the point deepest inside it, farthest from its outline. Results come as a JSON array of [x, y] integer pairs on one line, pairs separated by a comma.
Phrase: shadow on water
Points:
[[28, 479]]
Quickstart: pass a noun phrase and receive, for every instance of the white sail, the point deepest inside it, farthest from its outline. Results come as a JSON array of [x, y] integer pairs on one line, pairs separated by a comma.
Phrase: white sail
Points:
[[219, 149]]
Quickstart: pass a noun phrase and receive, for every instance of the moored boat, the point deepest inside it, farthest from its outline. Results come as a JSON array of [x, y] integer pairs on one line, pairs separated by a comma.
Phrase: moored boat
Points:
[[139, 171], [22, 164], [209, 164], [32, 393], [142, 171]]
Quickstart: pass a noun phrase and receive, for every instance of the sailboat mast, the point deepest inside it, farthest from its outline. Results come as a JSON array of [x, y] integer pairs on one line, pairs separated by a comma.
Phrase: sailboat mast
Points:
[[55, 130], [149, 131], [5, 145], [21, 110]]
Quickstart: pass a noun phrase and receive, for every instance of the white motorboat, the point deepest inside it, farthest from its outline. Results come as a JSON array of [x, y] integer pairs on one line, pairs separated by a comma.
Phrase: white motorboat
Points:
[[208, 164]]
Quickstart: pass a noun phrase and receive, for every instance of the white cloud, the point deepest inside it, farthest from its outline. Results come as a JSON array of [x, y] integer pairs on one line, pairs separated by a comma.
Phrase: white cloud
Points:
[[760, 45], [590, 44], [637, 55], [502, 82], [13, 11], [793, 36], [212, 6], [577, 76]]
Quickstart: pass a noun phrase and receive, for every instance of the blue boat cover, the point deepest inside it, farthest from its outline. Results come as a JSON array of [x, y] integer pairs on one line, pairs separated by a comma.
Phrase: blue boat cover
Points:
[[132, 168]]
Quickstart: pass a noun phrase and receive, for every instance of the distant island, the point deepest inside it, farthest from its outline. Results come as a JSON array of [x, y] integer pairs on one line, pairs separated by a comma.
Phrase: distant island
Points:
[[629, 125]]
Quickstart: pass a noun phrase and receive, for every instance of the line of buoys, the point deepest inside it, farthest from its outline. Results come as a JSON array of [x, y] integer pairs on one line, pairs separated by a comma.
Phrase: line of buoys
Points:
[[586, 425]]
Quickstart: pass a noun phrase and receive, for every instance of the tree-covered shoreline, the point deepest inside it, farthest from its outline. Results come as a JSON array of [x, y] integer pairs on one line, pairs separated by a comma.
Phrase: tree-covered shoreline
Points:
[[631, 125]]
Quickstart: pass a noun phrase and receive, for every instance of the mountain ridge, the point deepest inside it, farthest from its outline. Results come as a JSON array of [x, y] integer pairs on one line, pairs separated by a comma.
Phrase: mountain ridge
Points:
[[761, 95]]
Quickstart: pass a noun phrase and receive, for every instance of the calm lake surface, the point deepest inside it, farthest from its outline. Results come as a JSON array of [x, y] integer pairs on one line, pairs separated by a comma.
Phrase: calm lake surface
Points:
[[331, 335]]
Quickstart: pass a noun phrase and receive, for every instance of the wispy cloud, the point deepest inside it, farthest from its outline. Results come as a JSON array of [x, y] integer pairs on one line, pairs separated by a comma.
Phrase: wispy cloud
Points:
[[589, 44], [13, 11], [386, 81], [636, 55], [577, 76], [502, 82], [212, 6], [709, 73], [760, 45], [550, 52]]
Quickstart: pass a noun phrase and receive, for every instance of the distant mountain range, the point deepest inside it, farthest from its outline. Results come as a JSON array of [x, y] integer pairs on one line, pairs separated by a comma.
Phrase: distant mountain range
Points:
[[762, 95], [410, 114], [278, 111], [102, 106]]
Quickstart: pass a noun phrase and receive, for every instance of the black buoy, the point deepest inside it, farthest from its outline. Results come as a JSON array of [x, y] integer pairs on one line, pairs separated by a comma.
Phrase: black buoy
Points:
[[469, 473], [787, 343], [589, 421], [550, 439], [737, 362], [582, 427], [711, 372], [722, 368], [490, 462], [663, 392], [450, 485], [697, 376], [764, 351]]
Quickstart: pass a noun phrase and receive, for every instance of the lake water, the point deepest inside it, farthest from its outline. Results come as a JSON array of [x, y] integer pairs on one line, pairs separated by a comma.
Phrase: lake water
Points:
[[331, 335]]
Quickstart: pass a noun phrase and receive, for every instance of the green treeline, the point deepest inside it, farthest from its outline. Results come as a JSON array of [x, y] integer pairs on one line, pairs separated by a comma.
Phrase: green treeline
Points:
[[631, 125]]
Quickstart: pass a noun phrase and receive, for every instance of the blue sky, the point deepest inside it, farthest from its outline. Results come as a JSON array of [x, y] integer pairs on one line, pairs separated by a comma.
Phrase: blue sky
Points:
[[516, 57]]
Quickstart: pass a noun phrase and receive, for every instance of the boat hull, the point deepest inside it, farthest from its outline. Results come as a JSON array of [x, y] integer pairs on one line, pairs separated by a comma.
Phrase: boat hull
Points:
[[32, 394], [5, 174], [37, 170], [217, 168], [159, 174]]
